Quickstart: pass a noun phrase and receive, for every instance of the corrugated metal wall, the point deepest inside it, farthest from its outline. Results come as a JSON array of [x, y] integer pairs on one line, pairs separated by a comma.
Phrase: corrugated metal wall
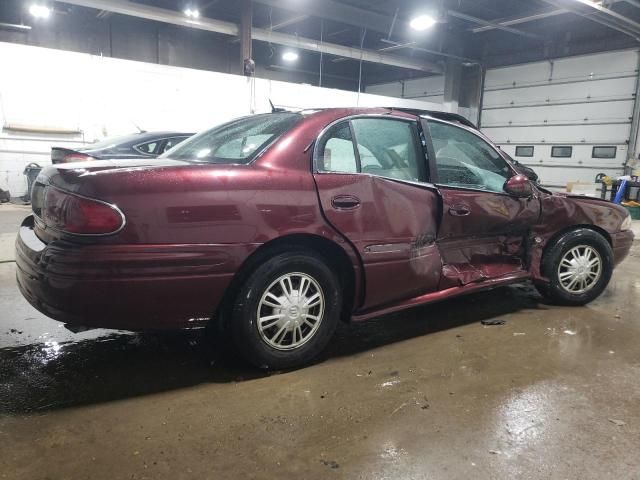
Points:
[[429, 89]]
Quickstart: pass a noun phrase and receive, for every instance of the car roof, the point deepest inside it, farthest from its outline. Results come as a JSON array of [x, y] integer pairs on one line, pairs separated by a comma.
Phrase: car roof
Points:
[[415, 112], [447, 116]]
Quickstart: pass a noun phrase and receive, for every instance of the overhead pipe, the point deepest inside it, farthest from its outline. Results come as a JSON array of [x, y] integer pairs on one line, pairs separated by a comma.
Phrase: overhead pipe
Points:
[[538, 16], [125, 7], [611, 13], [15, 26], [518, 20], [630, 27], [414, 46], [487, 23]]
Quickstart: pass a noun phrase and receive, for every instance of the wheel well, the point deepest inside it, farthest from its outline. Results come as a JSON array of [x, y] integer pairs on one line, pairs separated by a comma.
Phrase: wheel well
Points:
[[335, 257], [558, 234]]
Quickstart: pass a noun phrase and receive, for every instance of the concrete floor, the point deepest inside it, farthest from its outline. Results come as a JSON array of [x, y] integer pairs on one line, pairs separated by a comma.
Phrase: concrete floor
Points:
[[429, 393]]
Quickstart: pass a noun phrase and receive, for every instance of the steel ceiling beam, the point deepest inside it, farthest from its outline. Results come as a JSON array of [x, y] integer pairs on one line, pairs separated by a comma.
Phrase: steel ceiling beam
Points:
[[125, 7], [338, 12], [343, 51]]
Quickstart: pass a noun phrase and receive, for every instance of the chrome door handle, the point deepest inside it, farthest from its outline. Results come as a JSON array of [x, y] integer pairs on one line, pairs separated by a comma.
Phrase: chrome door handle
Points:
[[459, 210], [345, 202]]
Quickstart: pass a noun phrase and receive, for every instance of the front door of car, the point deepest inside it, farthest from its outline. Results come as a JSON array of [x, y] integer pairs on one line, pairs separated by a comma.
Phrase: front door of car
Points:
[[370, 173], [483, 229]]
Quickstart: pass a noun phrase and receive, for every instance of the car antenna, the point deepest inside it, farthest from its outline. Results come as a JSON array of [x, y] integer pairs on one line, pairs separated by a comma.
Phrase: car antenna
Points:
[[138, 127], [275, 109]]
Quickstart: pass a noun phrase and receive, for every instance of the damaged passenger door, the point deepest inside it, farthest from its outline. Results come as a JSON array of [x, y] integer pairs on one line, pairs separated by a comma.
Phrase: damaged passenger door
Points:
[[483, 229], [370, 172]]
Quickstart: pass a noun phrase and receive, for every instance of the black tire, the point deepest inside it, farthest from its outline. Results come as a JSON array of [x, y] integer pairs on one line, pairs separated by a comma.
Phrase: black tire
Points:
[[554, 290], [253, 345]]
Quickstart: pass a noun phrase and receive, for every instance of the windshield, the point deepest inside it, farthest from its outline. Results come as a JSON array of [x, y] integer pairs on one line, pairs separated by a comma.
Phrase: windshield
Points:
[[238, 141]]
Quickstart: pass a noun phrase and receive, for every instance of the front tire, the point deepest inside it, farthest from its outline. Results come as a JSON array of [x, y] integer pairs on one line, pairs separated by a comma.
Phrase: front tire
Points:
[[578, 265], [286, 311]]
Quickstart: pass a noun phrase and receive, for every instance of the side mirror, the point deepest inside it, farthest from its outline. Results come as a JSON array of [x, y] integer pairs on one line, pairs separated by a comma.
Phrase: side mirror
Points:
[[518, 186]]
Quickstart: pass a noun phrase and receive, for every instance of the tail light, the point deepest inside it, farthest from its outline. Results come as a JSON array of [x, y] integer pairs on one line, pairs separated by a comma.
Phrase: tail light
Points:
[[75, 157], [80, 215], [66, 155]]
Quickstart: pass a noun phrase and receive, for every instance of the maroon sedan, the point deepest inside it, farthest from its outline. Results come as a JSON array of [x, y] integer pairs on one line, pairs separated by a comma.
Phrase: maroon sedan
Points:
[[273, 227]]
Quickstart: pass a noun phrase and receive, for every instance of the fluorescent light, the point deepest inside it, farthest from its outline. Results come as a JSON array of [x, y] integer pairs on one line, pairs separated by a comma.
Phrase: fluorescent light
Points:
[[422, 22], [289, 56], [192, 12], [39, 11]]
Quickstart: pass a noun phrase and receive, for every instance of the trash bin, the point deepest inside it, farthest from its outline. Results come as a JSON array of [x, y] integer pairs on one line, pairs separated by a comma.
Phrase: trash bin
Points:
[[31, 171], [634, 211]]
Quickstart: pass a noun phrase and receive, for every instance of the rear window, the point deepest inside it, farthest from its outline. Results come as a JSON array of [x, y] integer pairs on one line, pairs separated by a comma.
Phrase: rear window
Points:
[[112, 142], [239, 141]]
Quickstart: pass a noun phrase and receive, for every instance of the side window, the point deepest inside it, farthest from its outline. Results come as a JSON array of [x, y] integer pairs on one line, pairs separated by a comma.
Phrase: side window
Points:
[[172, 142], [148, 148], [466, 160], [336, 152], [388, 148]]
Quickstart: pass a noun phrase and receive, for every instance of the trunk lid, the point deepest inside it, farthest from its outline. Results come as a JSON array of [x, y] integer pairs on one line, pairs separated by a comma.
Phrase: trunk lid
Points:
[[68, 175]]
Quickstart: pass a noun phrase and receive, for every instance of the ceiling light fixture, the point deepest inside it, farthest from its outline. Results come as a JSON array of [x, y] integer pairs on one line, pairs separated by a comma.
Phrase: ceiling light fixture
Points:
[[422, 22], [289, 56], [39, 11], [192, 13]]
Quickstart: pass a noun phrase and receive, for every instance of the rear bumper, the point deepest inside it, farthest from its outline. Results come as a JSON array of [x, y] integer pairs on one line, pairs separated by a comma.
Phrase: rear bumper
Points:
[[132, 287], [621, 243]]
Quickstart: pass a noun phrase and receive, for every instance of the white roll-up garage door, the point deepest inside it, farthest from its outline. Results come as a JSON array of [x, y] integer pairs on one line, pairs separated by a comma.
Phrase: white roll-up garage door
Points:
[[568, 119]]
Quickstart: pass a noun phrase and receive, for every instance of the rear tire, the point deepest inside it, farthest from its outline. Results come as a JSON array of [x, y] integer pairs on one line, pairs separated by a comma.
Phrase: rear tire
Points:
[[286, 311], [578, 265]]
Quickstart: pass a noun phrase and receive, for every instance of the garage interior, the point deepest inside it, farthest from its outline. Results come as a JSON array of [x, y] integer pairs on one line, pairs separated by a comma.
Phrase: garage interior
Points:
[[496, 384]]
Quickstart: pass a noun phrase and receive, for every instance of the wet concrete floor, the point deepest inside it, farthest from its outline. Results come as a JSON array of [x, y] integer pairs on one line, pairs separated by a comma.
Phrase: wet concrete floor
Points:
[[429, 393]]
